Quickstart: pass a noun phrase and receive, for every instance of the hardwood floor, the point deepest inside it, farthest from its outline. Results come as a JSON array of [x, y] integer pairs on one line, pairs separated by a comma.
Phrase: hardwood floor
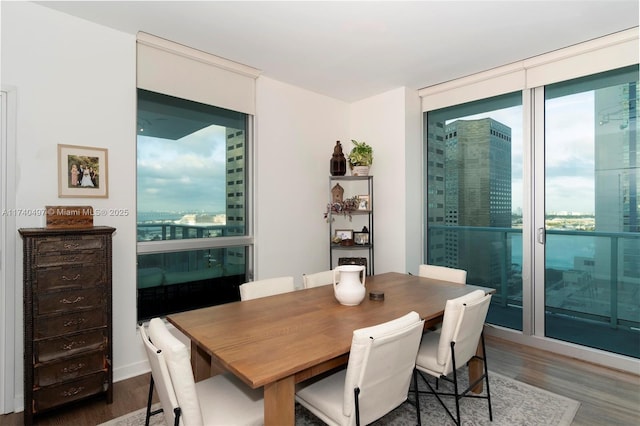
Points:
[[606, 396]]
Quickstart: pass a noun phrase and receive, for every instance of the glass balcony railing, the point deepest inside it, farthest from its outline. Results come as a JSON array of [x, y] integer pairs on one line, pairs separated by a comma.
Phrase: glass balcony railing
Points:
[[591, 287], [177, 231]]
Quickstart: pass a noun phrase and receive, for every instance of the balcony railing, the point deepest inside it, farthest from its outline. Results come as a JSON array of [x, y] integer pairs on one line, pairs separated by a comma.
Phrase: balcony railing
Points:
[[183, 231], [589, 275]]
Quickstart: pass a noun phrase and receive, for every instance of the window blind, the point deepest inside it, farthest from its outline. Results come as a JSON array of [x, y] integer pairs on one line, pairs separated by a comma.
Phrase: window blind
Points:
[[605, 53], [177, 70]]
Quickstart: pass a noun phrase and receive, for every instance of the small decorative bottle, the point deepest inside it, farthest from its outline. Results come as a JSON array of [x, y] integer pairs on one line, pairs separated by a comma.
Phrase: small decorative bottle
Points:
[[338, 164]]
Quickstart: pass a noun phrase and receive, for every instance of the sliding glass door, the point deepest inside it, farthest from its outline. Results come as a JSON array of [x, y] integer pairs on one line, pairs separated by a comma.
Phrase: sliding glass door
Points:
[[589, 230], [565, 218], [474, 197]]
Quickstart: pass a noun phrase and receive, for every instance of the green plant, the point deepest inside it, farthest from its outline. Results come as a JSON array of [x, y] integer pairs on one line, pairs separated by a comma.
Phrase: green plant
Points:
[[361, 154]]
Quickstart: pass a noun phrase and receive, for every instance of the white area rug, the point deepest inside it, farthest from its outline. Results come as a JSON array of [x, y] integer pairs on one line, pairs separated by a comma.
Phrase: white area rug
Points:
[[513, 403]]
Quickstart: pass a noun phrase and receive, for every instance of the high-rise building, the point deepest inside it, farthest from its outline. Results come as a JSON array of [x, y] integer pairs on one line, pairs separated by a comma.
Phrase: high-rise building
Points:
[[235, 195], [472, 168], [616, 178]]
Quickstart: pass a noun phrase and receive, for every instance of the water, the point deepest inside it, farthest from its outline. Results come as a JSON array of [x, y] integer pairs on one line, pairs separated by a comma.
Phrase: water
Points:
[[561, 250]]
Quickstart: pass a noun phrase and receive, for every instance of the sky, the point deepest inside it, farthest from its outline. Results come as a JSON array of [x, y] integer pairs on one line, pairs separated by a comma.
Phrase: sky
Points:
[[174, 175], [569, 151], [185, 175]]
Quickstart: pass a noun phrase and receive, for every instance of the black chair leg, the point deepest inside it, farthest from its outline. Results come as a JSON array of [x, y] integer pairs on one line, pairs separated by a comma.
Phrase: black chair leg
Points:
[[146, 421], [356, 393], [486, 375], [149, 400], [455, 384], [415, 387]]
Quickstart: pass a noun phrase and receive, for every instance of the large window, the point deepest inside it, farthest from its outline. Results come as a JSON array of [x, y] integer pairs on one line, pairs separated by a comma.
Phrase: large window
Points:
[[592, 247], [192, 204], [474, 197], [531, 182]]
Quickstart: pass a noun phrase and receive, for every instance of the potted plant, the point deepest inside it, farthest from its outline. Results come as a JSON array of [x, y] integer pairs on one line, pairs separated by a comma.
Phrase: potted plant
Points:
[[360, 158]]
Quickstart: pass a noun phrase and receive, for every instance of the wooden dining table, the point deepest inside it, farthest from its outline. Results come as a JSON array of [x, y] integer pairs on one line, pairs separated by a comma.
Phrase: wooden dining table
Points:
[[277, 341]]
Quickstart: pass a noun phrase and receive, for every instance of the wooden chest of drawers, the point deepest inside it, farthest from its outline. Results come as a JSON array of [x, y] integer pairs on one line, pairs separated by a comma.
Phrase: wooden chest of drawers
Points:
[[67, 316]]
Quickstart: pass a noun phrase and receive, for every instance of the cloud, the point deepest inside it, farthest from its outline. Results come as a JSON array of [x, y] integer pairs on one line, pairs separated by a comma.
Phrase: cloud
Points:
[[188, 174]]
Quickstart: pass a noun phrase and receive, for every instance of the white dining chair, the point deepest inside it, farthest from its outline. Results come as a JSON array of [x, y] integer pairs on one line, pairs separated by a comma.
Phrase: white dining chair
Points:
[[319, 278], [376, 379], [268, 287], [219, 400], [442, 353], [443, 273]]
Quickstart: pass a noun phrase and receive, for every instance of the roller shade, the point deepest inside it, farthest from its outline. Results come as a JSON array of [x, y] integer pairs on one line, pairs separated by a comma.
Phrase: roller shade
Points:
[[610, 52], [173, 69]]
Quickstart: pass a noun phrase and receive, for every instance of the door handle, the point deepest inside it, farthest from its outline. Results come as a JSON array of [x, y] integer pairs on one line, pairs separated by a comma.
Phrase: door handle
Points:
[[541, 236]]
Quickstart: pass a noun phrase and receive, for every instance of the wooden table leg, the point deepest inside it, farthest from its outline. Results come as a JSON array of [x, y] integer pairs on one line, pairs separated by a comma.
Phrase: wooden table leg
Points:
[[200, 363], [279, 403]]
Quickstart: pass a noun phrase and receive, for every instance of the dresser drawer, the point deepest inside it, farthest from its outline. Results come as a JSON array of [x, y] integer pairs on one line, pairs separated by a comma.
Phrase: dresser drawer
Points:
[[57, 325], [53, 259], [69, 368], [50, 245], [52, 396], [76, 276], [50, 349], [66, 301]]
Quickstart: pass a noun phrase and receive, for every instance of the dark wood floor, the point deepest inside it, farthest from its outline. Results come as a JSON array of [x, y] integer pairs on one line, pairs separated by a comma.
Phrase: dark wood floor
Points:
[[607, 397]]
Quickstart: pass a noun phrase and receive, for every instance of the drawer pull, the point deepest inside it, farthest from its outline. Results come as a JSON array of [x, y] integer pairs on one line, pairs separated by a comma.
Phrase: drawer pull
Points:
[[76, 321], [73, 391], [71, 345], [73, 368], [71, 245], [64, 277], [70, 302], [72, 258]]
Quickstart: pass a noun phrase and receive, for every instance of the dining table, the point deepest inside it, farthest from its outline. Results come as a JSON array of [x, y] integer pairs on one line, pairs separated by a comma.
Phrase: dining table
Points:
[[278, 341]]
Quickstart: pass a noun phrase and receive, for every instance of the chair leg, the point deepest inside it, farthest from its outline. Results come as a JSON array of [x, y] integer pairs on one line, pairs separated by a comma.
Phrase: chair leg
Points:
[[356, 394], [149, 400], [455, 384], [415, 387], [176, 413], [486, 375], [456, 390], [146, 420]]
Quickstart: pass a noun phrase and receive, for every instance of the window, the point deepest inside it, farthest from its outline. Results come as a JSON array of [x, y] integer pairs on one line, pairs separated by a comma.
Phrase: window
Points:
[[543, 206], [192, 234], [475, 196], [592, 175]]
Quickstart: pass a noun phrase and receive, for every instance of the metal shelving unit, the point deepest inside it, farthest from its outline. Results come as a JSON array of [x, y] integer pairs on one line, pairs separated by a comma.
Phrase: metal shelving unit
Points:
[[352, 254]]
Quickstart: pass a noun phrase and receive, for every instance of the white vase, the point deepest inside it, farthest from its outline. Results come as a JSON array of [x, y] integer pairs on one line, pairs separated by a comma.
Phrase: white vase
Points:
[[350, 290], [360, 171]]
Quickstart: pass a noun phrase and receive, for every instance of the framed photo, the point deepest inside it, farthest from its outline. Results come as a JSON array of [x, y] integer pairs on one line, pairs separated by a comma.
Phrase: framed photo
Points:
[[344, 234], [363, 202], [361, 238], [82, 172]]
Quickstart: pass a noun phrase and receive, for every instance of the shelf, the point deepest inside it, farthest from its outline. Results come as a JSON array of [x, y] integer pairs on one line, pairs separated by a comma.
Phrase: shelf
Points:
[[350, 177], [353, 186], [353, 247]]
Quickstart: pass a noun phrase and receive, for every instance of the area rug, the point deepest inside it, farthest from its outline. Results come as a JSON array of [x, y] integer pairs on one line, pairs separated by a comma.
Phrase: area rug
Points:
[[513, 403]]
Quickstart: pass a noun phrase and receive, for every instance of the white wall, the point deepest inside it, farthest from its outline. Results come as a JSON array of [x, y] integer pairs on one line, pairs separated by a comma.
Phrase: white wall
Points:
[[75, 84], [388, 123], [296, 131]]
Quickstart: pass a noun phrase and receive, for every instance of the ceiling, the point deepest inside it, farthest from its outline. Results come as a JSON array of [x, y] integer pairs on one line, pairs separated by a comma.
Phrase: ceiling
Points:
[[351, 50]]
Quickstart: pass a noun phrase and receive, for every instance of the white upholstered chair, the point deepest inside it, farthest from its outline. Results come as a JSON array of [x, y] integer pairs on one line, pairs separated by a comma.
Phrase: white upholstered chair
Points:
[[443, 273], [443, 352], [319, 278], [219, 400], [376, 379], [268, 287]]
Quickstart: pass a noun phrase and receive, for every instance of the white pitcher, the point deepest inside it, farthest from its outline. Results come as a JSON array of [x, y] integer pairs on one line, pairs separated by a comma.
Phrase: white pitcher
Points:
[[349, 291]]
